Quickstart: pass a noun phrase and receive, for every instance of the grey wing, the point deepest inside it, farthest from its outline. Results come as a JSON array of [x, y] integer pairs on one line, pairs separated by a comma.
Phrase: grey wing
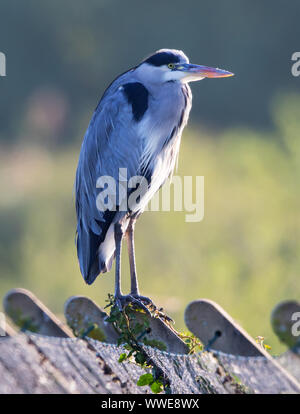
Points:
[[110, 143]]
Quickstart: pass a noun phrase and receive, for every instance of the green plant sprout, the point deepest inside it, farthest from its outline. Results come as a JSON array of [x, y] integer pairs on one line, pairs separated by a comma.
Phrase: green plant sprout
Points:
[[132, 326]]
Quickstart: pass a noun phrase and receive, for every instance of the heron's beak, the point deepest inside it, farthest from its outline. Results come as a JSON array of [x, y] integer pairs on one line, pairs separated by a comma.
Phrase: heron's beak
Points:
[[197, 72]]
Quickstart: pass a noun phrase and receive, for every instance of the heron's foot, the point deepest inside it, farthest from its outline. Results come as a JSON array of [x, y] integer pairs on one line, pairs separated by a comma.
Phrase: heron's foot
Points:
[[137, 301], [141, 302], [154, 310], [146, 301]]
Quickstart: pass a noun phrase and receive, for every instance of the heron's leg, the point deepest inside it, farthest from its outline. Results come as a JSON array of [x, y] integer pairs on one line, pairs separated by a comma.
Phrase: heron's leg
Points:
[[134, 297], [131, 254], [122, 300], [118, 231], [134, 293]]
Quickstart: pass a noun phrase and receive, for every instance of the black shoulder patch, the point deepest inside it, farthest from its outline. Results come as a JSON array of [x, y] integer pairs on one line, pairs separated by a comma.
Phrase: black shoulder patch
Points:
[[137, 96], [162, 58]]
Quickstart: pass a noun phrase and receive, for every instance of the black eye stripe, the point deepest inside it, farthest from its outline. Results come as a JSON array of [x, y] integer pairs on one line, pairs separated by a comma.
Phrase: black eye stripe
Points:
[[162, 58]]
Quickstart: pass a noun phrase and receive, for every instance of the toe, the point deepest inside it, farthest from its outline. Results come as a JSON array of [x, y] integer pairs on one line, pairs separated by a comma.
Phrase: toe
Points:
[[145, 300], [121, 301], [119, 304], [139, 303]]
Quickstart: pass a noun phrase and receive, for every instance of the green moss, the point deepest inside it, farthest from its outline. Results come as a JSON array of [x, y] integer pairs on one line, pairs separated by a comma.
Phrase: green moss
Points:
[[25, 323], [92, 330], [97, 333]]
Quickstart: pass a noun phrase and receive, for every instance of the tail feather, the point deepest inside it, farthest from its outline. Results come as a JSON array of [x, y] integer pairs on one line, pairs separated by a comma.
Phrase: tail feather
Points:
[[95, 251], [87, 248]]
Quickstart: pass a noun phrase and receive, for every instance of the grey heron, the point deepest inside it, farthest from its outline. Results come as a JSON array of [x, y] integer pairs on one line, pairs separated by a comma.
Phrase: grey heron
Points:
[[137, 126]]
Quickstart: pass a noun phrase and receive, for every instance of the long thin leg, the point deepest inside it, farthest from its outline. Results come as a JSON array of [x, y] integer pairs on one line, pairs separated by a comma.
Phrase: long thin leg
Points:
[[122, 300], [118, 240], [134, 293], [131, 254], [134, 296]]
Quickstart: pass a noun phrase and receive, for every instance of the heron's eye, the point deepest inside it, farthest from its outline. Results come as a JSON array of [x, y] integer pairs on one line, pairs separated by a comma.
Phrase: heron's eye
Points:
[[171, 65]]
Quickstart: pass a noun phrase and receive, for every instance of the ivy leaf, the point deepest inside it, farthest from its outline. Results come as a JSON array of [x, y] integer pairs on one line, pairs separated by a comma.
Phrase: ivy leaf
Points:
[[140, 358], [128, 347], [145, 379], [156, 387], [122, 357], [138, 328], [111, 319]]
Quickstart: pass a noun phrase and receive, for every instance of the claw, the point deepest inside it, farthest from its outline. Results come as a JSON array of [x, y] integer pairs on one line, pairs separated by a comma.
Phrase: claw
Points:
[[143, 299], [166, 317], [124, 300], [142, 302]]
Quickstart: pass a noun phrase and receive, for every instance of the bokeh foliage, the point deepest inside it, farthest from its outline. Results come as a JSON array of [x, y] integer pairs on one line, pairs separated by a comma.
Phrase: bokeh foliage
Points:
[[244, 254]]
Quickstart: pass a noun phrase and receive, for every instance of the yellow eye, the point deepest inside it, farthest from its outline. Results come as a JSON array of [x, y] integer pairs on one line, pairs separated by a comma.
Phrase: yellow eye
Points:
[[171, 65]]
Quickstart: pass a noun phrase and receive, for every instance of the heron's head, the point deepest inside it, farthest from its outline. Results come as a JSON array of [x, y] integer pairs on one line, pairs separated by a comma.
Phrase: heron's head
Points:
[[167, 65]]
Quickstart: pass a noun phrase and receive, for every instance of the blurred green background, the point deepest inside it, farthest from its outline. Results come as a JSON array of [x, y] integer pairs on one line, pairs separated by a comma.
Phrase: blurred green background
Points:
[[242, 137]]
